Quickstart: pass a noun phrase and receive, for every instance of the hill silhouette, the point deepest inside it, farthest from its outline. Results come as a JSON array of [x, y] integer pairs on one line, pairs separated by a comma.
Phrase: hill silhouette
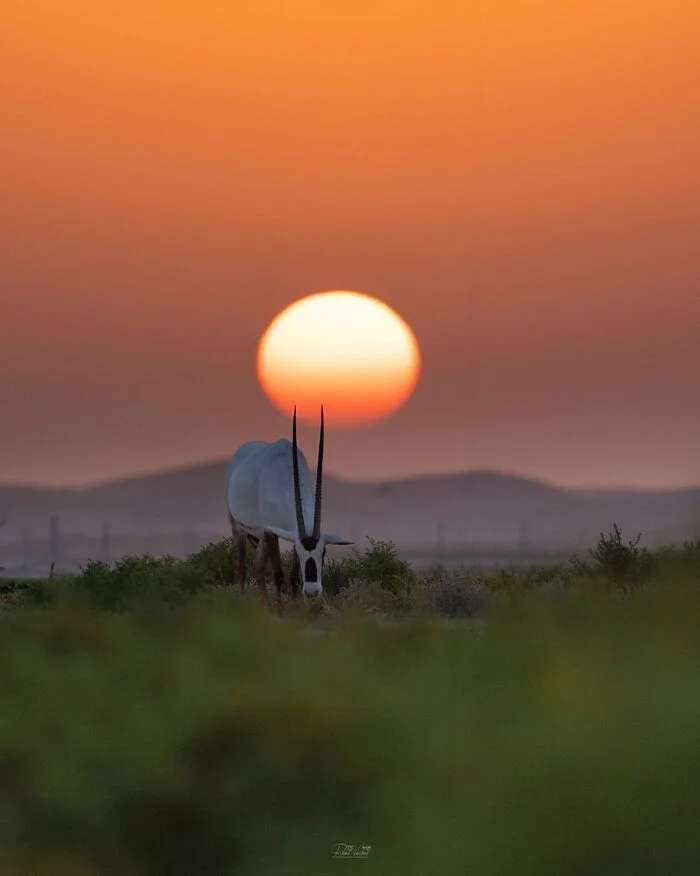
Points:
[[176, 510]]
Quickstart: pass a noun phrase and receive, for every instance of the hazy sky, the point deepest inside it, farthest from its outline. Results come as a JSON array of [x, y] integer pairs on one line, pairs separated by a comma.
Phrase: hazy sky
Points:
[[521, 181]]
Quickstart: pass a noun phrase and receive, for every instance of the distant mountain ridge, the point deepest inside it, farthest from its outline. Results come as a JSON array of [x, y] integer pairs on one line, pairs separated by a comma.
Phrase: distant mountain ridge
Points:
[[204, 484], [472, 506]]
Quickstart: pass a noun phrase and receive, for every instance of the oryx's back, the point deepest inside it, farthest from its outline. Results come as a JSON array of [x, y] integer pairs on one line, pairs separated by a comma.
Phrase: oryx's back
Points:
[[260, 486]]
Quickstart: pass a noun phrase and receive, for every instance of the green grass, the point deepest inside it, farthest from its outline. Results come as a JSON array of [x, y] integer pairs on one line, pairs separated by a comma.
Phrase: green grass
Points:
[[153, 722]]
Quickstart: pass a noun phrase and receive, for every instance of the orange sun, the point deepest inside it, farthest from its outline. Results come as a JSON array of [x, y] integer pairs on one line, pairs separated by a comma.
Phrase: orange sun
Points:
[[345, 350]]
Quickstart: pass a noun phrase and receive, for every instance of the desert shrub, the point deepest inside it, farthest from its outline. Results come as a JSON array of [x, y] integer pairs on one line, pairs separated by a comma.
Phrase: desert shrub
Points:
[[217, 562], [9, 586], [546, 576], [680, 564], [12, 593], [380, 564], [132, 582], [40, 591], [513, 581], [579, 568], [453, 593], [625, 564], [145, 580], [380, 580]]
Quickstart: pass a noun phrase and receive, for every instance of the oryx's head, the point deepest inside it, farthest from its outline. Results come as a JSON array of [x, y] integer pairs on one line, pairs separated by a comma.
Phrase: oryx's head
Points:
[[311, 546]]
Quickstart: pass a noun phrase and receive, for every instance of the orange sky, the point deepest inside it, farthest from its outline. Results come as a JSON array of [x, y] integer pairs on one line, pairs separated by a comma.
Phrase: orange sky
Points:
[[520, 181]]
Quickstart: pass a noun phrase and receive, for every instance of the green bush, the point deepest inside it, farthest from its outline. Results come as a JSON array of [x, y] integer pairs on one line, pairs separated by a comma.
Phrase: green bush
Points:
[[679, 563], [145, 581], [453, 593], [624, 564], [517, 580], [380, 564], [377, 579], [217, 562]]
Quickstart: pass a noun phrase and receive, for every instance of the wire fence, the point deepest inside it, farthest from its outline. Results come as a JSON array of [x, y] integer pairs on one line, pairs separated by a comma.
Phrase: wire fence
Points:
[[32, 551]]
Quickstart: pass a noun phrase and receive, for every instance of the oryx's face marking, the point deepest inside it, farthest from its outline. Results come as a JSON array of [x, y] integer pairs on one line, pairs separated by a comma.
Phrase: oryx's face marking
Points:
[[311, 571], [311, 553]]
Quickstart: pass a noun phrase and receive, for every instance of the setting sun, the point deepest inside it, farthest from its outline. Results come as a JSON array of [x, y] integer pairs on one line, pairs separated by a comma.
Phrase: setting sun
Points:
[[345, 350]]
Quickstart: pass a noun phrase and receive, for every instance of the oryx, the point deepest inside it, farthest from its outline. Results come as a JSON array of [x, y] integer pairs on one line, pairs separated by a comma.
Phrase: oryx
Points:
[[270, 495]]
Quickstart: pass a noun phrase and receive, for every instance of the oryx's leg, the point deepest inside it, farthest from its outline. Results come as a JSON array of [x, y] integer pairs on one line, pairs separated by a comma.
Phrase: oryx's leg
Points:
[[295, 576], [273, 547], [261, 554], [239, 538]]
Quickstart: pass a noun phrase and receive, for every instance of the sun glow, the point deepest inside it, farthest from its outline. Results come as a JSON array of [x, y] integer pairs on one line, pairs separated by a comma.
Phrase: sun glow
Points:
[[345, 350]]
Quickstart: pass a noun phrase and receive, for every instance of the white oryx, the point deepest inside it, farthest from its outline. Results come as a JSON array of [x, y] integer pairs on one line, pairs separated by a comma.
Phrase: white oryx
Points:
[[270, 495]]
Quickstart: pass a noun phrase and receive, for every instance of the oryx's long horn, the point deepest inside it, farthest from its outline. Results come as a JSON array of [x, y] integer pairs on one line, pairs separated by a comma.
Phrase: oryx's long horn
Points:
[[319, 484], [297, 489]]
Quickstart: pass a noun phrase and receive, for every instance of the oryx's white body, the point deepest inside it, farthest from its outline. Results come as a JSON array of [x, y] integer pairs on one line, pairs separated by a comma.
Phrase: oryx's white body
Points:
[[260, 489], [268, 500]]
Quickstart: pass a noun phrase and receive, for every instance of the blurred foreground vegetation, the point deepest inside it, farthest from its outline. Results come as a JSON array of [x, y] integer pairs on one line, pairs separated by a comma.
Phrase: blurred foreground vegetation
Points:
[[152, 721]]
